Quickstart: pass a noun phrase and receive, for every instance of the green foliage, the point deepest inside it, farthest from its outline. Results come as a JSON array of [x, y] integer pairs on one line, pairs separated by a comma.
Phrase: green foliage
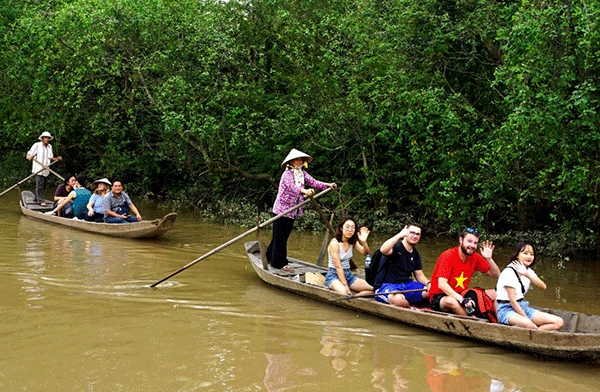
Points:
[[453, 113]]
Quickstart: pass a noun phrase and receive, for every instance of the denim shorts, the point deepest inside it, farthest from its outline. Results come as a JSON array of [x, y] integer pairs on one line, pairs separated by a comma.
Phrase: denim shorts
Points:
[[505, 310], [412, 298], [332, 275]]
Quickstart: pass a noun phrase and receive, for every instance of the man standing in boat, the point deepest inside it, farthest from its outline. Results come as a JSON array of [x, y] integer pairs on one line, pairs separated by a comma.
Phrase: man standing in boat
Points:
[[117, 205], [453, 272], [401, 261], [41, 154]]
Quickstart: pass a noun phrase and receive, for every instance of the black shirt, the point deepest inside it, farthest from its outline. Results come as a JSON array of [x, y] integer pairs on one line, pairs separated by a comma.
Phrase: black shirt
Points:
[[402, 264]]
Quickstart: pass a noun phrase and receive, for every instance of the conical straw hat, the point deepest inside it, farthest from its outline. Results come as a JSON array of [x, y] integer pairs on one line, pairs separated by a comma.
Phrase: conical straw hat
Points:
[[294, 154]]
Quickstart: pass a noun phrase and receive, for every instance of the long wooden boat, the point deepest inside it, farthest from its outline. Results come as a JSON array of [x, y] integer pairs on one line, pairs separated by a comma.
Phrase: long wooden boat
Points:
[[579, 340], [144, 229]]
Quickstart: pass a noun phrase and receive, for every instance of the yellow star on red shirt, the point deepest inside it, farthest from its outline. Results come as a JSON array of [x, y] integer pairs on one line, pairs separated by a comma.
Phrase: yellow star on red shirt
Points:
[[460, 281]]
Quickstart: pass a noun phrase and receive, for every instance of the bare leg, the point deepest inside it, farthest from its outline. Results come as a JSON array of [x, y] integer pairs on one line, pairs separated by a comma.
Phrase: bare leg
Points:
[[361, 286], [547, 322]]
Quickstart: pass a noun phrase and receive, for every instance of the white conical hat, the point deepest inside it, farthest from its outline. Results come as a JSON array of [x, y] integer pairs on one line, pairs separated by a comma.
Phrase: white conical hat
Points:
[[294, 154], [104, 181]]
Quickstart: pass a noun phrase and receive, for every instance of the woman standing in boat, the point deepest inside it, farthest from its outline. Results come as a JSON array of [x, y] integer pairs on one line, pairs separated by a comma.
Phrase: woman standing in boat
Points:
[[295, 183], [512, 286], [339, 278]]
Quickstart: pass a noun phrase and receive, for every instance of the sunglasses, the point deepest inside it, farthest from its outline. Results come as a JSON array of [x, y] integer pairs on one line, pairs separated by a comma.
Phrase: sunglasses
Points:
[[472, 231]]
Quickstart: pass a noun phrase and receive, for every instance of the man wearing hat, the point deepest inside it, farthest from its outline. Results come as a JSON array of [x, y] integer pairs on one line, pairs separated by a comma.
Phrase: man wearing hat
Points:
[[42, 153]]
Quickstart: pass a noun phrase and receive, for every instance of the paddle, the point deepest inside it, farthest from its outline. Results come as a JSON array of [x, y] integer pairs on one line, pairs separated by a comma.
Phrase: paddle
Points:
[[323, 218], [47, 167], [375, 295], [324, 245], [239, 237], [25, 179]]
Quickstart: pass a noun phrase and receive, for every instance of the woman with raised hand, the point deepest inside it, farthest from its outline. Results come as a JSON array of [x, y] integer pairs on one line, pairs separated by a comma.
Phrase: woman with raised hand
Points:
[[346, 238]]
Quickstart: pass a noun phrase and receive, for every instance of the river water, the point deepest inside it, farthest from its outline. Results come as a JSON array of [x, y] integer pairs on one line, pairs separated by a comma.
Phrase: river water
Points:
[[78, 316]]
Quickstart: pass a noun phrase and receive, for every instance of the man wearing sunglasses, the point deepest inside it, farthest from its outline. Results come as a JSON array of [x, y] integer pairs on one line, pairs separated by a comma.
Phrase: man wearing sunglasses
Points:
[[453, 272], [401, 261]]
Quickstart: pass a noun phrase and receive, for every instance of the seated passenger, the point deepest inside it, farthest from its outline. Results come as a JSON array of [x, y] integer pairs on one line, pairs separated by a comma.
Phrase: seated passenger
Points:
[[512, 286], [95, 205], [453, 270], [63, 191], [339, 278], [117, 205], [401, 261], [79, 196]]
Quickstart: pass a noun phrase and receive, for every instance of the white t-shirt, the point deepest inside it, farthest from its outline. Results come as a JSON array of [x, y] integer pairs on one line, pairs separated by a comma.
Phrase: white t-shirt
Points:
[[508, 277]]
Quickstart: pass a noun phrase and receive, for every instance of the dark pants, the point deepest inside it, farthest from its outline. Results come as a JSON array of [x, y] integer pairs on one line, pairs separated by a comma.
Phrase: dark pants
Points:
[[112, 219], [66, 211], [40, 187], [277, 250], [97, 217]]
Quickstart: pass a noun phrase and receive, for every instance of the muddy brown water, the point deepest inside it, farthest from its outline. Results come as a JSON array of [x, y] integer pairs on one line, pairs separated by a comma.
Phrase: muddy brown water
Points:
[[77, 315]]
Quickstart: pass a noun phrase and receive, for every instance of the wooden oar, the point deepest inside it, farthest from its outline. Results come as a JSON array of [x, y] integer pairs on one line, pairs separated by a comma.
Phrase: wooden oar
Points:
[[47, 167], [239, 237], [324, 245], [25, 179], [323, 218], [376, 295], [330, 228]]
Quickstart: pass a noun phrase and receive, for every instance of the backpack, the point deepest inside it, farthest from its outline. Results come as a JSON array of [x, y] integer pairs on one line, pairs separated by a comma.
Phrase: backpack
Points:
[[484, 306], [375, 273]]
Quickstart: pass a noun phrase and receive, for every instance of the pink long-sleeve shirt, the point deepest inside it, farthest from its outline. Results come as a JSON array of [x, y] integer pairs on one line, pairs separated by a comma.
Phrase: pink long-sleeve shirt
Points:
[[289, 194]]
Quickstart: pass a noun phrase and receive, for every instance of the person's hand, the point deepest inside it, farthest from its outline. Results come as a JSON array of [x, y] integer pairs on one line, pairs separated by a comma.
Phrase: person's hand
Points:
[[487, 249], [91, 213], [308, 192], [332, 185], [139, 217], [404, 232], [519, 267], [363, 234], [59, 158]]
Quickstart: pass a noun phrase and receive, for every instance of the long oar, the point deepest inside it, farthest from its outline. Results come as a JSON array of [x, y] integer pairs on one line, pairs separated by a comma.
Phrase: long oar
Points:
[[329, 227], [324, 245], [375, 295], [47, 167], [239, 237], [323, 218], [25, 179]]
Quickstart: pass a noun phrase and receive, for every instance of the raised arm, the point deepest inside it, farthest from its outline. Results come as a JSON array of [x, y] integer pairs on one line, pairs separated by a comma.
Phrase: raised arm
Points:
[[487, 251], [362, 246], [388, 246]]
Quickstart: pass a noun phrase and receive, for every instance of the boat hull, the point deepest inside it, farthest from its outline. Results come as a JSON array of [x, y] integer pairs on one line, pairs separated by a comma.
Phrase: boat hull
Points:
[[579, 340], [145, 229]]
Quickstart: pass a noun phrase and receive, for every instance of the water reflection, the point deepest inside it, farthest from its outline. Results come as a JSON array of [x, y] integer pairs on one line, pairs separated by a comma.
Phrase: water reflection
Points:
[[78, 315]]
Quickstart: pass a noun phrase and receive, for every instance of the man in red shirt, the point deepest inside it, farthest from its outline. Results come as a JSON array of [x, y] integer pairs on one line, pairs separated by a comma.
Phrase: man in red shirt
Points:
[[454, 269]]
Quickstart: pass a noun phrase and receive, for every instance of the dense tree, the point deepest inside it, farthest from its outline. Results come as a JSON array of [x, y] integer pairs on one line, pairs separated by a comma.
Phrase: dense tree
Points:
[[457, 112]]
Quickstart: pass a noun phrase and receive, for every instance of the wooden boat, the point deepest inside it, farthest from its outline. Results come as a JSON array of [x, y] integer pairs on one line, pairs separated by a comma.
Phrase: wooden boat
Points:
[[145, 229], [579, 340]]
